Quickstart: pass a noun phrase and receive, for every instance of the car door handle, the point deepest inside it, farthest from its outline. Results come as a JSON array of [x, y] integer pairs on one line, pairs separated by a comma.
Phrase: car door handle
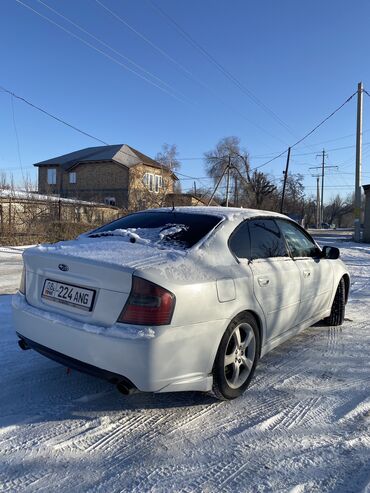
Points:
[[306, 273], [263, 281]]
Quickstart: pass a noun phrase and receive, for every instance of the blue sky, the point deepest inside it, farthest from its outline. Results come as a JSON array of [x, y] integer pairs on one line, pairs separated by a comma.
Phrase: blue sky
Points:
[[300, 59]]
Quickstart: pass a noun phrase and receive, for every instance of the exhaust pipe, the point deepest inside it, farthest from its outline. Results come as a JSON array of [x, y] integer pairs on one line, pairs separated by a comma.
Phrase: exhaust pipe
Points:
[[124, 388], [23, 345]]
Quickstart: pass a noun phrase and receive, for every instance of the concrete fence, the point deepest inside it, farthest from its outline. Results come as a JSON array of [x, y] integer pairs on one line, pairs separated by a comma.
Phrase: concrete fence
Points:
[[47, 219]]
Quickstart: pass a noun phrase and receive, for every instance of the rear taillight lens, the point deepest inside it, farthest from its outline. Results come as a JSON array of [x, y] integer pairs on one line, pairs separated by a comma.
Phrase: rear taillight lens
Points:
[[22, 286], [148, 304]]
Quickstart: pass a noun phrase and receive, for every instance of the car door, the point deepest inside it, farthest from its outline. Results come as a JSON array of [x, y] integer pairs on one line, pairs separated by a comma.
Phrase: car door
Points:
[[316, 272], [276, 277]]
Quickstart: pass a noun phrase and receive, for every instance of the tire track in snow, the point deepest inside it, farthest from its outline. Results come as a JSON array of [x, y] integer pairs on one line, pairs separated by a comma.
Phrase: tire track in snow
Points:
[[335, 343], [22, 483]]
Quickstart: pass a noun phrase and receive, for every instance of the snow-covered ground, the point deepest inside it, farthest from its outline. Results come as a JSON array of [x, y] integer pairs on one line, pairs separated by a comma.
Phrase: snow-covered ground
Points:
[[10, 268], [303, 425]]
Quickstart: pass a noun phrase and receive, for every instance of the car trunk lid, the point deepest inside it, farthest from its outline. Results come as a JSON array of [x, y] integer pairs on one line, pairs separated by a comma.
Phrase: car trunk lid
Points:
[[99, 269]]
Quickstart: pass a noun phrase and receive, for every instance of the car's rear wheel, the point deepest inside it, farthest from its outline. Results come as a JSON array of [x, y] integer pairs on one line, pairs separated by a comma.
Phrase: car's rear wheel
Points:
[[236, 358], [338, 307]]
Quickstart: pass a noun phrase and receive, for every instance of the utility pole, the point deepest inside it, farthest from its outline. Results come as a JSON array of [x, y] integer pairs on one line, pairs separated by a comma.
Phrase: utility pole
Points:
[[218, 183], [318, 208], [285, 180], [318, 203], [322, 186], [358, 163], [236, 197], [228, 182], [323, 167]]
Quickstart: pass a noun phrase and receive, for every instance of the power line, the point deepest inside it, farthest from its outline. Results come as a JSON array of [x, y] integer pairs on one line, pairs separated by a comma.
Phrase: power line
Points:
[[220, 67], [188, 73], [310, 132], [119, 53], [123, 65], [52, 116], [59, 120]]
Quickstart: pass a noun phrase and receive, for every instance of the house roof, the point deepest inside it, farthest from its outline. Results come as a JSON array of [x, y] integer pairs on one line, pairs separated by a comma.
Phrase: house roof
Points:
[[120, 153]]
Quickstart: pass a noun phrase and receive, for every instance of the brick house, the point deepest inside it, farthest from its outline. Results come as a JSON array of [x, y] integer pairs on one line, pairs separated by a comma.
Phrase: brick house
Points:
[[115, 175]]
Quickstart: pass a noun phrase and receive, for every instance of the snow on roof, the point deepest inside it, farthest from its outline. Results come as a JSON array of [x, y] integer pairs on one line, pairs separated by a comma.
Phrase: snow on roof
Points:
[[229, 213]]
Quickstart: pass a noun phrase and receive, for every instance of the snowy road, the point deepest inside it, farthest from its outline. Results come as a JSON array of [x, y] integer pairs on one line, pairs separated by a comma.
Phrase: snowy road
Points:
[[303, 426], [10, 268]]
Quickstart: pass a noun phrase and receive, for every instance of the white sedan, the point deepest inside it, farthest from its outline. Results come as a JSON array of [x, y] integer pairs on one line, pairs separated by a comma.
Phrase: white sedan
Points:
[[178, 299]]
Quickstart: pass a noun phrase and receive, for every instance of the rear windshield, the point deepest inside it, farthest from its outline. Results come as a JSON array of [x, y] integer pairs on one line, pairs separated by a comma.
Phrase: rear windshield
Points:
[[170, 228]]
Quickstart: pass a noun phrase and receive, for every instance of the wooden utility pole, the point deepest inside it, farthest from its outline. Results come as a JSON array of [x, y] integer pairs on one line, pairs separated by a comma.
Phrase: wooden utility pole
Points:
[[358, 163], [217, 185], [285, 180], [236, 198], [228, 183]]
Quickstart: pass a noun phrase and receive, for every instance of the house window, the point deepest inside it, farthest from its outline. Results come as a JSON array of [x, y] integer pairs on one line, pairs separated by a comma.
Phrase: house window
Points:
[[153, 182], [52, 176], [72, 177], [110, 200], [149, 181], [158, 183]]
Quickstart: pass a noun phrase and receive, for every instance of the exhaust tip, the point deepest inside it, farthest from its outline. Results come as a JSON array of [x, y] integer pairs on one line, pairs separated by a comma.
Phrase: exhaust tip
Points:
[[124, 388], [23, 345]]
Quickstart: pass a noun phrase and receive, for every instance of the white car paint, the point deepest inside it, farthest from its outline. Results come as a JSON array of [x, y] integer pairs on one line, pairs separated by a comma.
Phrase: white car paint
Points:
[[211, 287]]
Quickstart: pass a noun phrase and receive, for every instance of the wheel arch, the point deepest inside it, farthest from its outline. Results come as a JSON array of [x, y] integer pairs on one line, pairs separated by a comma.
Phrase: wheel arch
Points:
[[346, 284], [258, 323]]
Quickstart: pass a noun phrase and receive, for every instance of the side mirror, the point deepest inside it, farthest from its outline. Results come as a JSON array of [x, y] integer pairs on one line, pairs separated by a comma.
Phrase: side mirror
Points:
[[331, 253]]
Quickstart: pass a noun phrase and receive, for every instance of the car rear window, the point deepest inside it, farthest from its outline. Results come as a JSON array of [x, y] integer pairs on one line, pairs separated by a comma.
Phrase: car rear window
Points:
[[175, 229]]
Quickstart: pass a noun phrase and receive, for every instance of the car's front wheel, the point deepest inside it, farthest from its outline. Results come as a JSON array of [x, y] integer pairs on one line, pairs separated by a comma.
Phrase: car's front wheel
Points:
[[236, 358]]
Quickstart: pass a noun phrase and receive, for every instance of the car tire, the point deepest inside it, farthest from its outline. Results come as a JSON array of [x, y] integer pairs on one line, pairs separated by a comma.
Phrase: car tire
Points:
[[236, 358], [338, 307]]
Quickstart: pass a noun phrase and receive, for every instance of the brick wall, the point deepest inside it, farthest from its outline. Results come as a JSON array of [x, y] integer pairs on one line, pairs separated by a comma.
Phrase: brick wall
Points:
[[99, 180]]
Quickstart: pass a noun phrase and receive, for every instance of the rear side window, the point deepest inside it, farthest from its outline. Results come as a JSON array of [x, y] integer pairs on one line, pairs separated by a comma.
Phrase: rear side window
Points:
[[266, 239], [240, 243], [175, 229], [298, 243]]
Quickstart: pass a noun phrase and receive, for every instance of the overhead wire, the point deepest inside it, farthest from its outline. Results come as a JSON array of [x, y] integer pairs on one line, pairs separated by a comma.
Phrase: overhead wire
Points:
[[119, 53], [60, 120], [308, 133], [219, 66], [87, 43], [188, 73]]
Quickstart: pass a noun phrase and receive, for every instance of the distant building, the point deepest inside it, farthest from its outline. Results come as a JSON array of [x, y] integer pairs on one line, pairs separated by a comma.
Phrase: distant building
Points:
[[116, 175], [187, 199]]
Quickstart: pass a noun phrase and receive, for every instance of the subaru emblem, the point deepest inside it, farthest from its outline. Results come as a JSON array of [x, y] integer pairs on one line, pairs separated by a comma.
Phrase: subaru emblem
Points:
[[63, 267]]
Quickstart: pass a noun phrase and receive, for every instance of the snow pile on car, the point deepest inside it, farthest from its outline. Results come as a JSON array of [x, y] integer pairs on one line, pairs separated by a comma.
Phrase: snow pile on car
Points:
[[119, 247]]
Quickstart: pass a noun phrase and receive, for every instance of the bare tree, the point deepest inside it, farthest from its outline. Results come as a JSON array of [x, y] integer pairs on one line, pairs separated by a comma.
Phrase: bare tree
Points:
[[227, 151], [5, 182], [259, 188], [337, 209], [168, 156]]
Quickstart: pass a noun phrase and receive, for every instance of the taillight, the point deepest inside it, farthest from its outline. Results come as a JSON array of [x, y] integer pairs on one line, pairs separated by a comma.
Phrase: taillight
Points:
[[148, 304]]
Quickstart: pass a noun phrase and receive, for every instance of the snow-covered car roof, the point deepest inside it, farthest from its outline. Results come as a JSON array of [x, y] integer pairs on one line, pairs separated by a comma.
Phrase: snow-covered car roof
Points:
[[230, 213]]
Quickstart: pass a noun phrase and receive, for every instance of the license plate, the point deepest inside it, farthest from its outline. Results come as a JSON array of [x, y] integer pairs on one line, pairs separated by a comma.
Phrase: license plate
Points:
[[68, 294]]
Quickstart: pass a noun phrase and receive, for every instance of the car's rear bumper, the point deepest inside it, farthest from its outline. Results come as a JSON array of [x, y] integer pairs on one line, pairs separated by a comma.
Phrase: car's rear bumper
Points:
[[158, 359]]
